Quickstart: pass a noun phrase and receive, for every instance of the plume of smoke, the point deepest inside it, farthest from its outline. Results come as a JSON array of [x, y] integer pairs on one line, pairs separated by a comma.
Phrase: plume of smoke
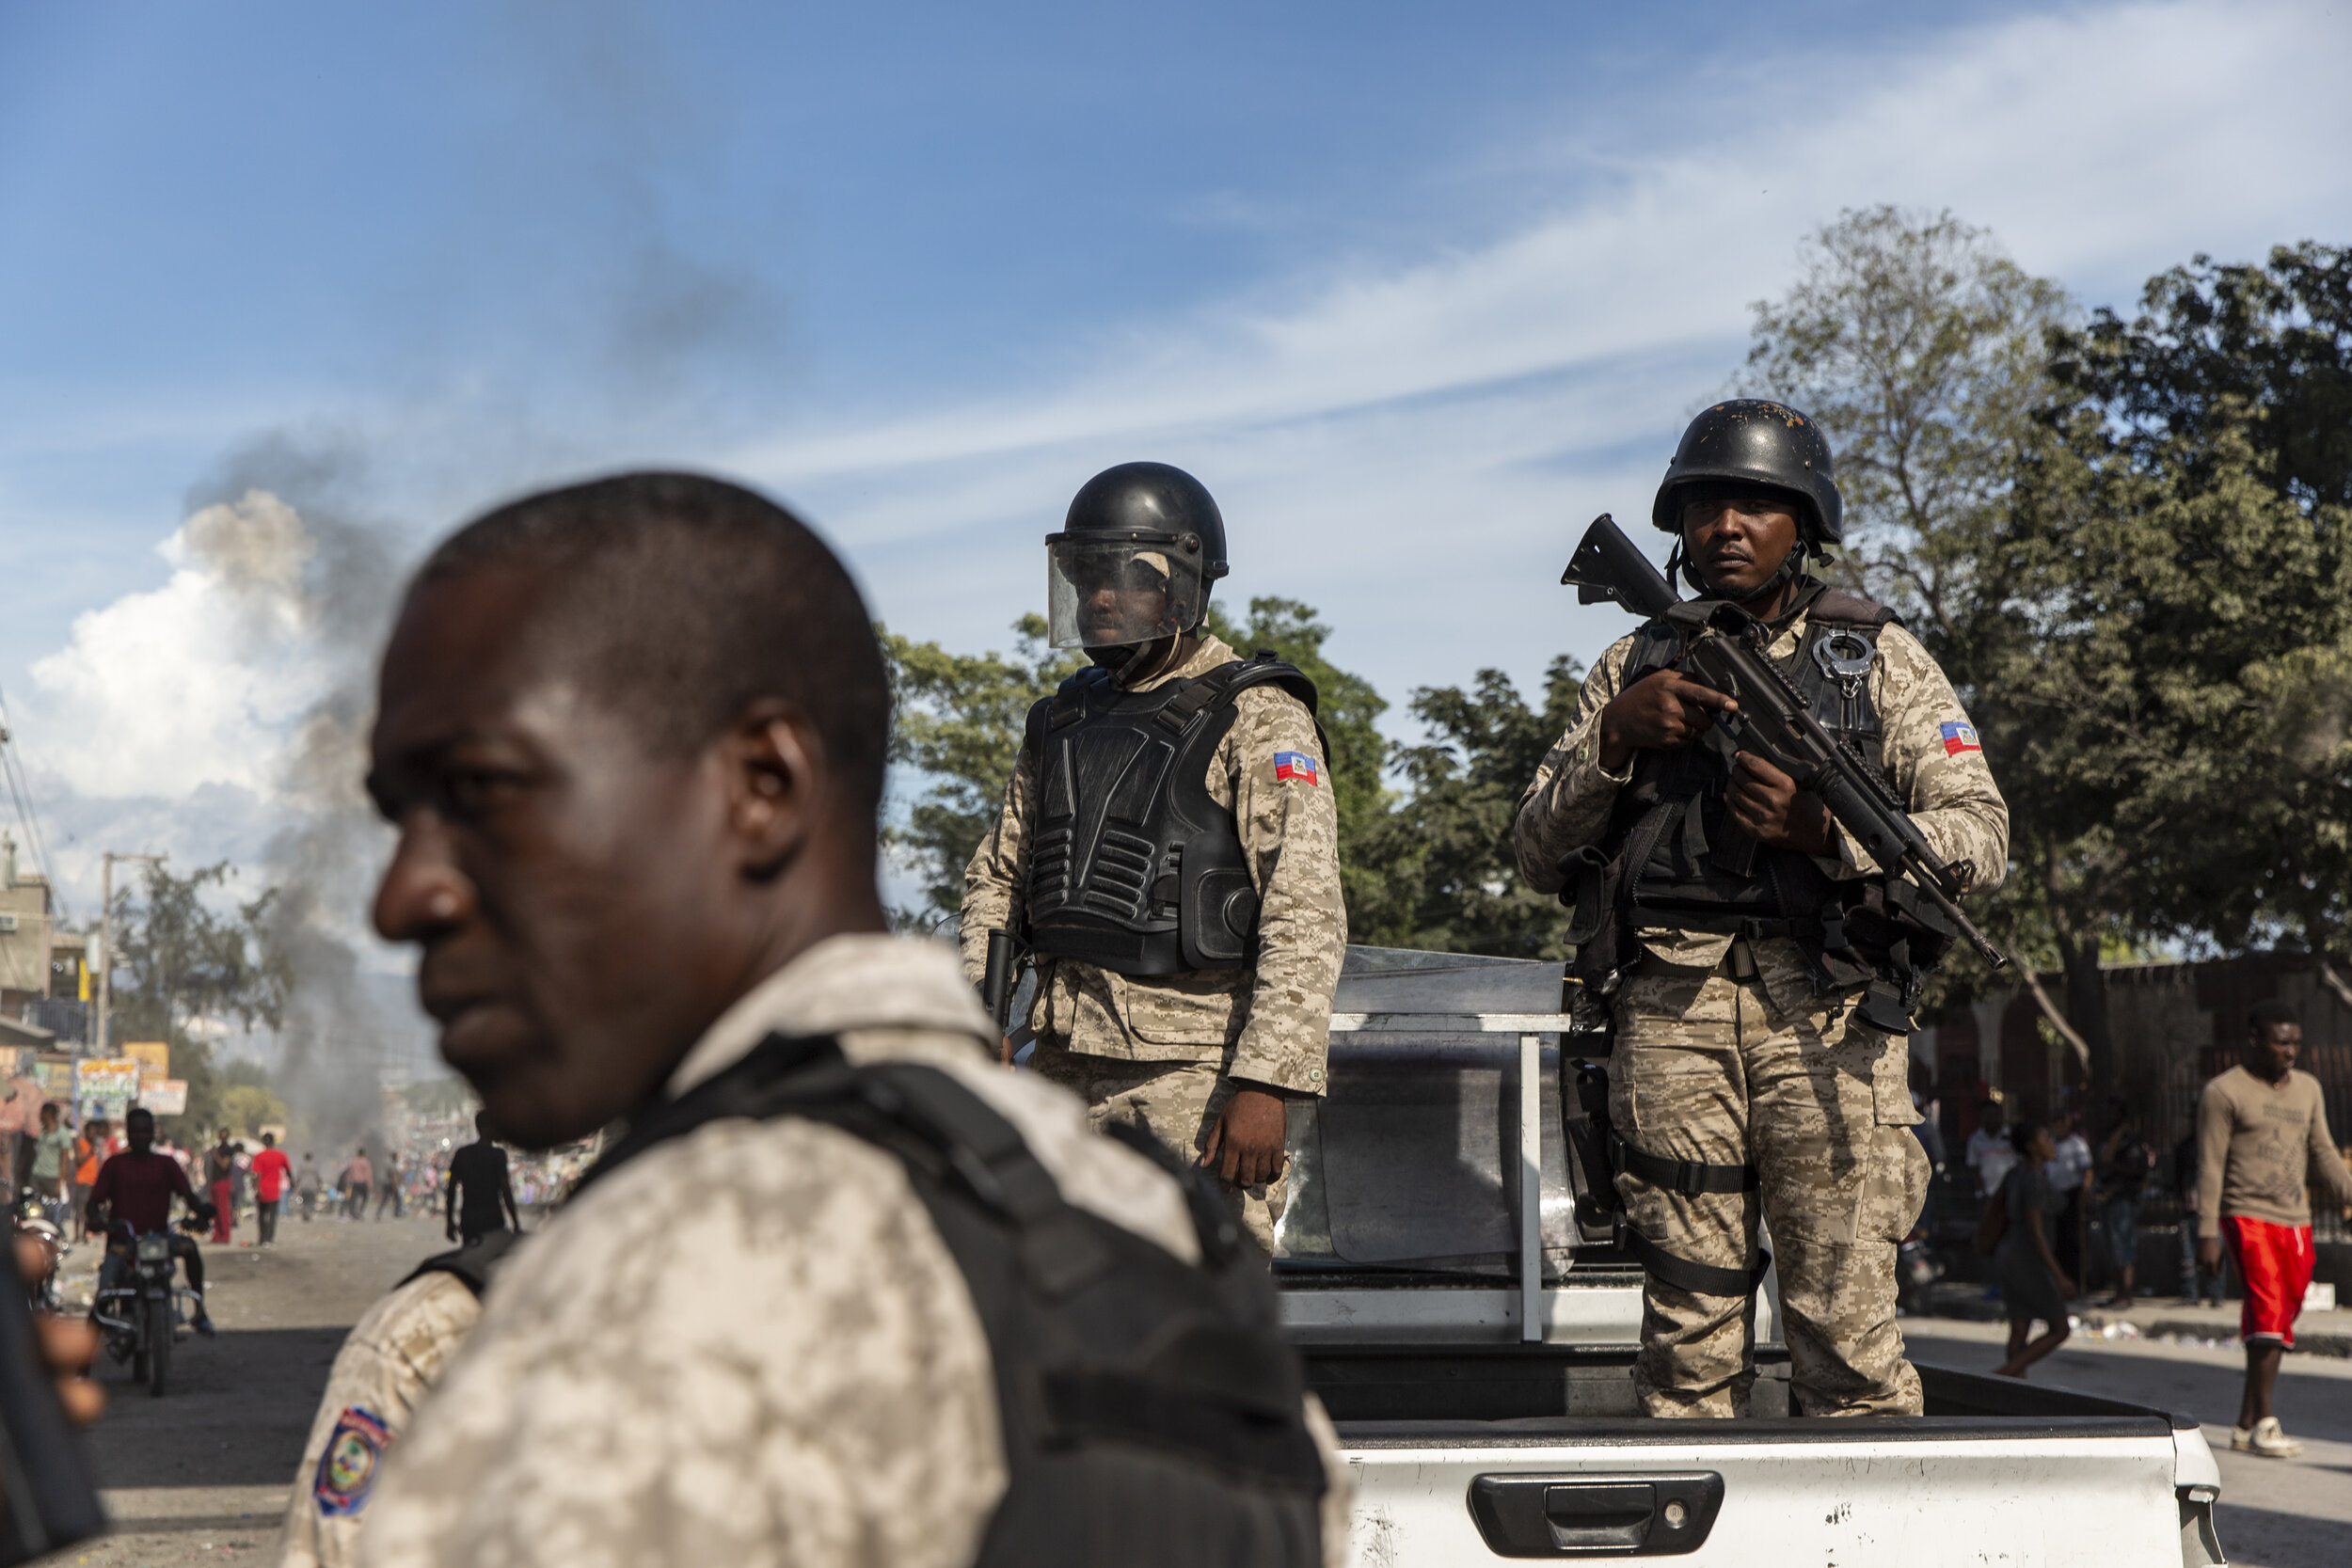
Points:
[[279, 519]]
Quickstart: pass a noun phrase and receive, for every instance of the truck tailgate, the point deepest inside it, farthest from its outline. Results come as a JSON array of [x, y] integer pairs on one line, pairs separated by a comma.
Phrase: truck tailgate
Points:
[[1999, 1491]]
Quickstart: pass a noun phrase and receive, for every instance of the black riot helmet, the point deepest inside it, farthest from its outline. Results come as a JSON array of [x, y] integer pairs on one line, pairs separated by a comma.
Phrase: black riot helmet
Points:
[[1747, 442], [1134, 559]]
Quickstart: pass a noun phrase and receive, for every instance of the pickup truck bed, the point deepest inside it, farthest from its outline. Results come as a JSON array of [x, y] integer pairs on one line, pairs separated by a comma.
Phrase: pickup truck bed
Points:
[[1496, 1451], [1474, 1344]]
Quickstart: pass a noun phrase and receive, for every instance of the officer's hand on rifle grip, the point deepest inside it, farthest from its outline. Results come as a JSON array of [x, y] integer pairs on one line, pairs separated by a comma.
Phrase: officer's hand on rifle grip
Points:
[[1657, 713], [1771, 809]]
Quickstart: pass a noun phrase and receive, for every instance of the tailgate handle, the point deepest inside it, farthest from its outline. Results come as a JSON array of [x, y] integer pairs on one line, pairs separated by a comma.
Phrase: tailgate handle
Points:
[[1638, 1514]]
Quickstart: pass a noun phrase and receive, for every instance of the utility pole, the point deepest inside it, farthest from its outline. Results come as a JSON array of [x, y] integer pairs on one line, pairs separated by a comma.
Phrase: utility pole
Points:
[[103, 1042]]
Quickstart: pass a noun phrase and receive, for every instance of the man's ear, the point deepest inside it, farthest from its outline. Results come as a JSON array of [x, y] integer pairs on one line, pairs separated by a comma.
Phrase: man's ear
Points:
[[775, 766]]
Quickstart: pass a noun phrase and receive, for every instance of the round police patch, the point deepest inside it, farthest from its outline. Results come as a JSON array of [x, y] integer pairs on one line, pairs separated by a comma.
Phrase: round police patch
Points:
[[355, 1451]]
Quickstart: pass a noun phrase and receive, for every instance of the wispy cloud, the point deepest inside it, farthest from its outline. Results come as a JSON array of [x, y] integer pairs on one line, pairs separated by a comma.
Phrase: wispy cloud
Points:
[[1408, 444]]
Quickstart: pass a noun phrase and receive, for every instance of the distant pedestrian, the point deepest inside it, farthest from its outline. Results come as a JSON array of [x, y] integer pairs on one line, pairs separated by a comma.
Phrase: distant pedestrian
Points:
[[2069, 1170], [1989, 1152], [51, 1164], [2261, 1129], [480, 1193], [2033, 1287], [357, 1179], [389, 1192], [90, 1152], [308, 1182], [2125, 1162], [270, 1169], [220, 1177]]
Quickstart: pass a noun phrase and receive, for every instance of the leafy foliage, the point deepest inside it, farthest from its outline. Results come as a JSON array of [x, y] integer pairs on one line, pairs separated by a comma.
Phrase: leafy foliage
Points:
[[178, 960], [1437, 868], [957, 722]]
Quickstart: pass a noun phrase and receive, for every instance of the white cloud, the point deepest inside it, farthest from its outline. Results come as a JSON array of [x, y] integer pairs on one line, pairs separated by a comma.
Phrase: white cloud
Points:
[[195, 682], [1412, 446]]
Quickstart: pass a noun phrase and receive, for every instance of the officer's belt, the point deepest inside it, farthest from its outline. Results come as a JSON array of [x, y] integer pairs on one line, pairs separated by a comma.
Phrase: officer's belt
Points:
[[1722, 923]]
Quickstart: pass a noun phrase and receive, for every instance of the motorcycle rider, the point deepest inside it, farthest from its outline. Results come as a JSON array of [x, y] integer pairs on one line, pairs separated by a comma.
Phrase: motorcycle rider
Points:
[[135, 1189]]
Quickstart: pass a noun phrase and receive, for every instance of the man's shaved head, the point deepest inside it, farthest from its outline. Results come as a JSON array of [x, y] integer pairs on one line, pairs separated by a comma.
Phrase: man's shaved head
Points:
[[682, 600]]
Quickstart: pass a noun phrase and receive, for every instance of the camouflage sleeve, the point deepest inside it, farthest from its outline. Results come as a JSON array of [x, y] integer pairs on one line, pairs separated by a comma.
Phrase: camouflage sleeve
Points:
[[1936, 762], [390, 1361], [1567, 806], [1291, 836], [992, 878]]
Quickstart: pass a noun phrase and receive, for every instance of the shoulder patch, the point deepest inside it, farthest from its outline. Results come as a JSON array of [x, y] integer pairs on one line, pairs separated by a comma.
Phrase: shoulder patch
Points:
[[1959, 738], [347, 1469], [1298, 766]]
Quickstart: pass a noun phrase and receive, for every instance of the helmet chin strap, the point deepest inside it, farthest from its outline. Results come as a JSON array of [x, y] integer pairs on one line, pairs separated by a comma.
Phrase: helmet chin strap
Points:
[[1791, 565]]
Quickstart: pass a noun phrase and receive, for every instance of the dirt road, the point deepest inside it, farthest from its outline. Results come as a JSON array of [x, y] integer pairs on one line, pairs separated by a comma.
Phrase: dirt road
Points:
[[203, 1473]]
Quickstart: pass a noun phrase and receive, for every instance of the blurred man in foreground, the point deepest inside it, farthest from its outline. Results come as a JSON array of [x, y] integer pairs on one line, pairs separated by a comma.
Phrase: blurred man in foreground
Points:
[[632, 736]]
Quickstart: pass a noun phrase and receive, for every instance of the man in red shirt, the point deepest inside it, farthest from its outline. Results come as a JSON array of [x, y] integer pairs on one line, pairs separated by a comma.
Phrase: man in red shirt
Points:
[[134, 1190], [271, 1172]]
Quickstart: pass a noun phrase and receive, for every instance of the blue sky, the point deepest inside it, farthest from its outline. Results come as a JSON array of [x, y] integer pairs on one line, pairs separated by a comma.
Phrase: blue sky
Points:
[[1415, 290]]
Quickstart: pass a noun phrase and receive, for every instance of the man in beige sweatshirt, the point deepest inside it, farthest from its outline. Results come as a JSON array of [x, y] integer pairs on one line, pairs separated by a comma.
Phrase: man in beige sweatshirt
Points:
[[2261, 1129]]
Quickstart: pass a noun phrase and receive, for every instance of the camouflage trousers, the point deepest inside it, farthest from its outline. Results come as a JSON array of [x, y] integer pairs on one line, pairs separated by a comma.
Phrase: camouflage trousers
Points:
[[1176, 1101], [1708, 1068]]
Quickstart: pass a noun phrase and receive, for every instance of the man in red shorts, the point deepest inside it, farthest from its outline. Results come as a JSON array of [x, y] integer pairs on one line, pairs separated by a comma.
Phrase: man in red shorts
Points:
[[2260, 1127]]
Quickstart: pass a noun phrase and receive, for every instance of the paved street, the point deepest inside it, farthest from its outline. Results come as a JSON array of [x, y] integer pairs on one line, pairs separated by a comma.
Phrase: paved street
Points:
[[2274, 1514], [203, 1473]]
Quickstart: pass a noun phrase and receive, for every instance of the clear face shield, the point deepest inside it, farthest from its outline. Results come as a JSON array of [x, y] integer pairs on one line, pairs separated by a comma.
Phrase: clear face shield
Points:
[[1119, 593]]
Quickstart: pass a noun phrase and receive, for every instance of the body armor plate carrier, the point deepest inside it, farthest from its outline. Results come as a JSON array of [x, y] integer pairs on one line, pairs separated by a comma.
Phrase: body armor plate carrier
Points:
[[1133, 866], [1152, 1415]]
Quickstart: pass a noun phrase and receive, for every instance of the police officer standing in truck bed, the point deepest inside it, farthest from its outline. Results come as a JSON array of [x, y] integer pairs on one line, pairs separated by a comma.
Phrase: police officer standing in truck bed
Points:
[[1168, 848], [1758, 967]]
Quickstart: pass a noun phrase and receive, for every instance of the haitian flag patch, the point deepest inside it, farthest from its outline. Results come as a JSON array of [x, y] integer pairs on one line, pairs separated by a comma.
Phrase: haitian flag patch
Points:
[[354, 1453], [1959, 738], [1297, 764]]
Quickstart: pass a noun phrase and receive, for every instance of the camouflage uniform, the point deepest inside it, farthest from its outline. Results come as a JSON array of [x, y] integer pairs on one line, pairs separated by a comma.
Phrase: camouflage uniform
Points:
[[788, 1369], [1727, 1055], [1170, 1051], [392, 1357]]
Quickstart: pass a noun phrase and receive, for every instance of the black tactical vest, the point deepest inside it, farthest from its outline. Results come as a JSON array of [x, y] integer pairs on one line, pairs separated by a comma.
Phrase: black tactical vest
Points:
[[1152, 1415], [1131, 866], [1672, 857]]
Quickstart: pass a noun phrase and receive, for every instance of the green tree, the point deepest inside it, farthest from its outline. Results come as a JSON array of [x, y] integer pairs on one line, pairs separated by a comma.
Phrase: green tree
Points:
[[1448, 877], [957, 722], [2188, 542], [178, 959], [1924, 353]]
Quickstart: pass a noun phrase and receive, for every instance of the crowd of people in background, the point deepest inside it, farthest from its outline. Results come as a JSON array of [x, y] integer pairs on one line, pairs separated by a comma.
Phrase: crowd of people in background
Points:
[[253, 1182]]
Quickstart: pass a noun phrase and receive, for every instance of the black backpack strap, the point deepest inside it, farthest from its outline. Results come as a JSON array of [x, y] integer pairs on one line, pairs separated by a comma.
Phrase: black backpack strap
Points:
[[1201, 1419], [472, 1264]]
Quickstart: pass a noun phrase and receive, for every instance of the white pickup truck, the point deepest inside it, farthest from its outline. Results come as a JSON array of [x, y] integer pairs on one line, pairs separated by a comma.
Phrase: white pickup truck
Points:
[[1474, 1345]]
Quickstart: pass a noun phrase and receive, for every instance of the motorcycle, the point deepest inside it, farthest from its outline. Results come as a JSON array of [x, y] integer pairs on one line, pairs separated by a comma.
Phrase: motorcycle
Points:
[[140, 1315], [34, 1221]]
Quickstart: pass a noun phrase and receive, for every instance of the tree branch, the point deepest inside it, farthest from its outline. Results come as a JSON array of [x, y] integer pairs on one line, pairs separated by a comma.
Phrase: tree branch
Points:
[[2333, 981], [2058, 1020]]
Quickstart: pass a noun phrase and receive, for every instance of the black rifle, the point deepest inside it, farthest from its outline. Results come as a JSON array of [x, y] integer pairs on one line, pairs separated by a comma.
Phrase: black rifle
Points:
[[1774, 721]]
